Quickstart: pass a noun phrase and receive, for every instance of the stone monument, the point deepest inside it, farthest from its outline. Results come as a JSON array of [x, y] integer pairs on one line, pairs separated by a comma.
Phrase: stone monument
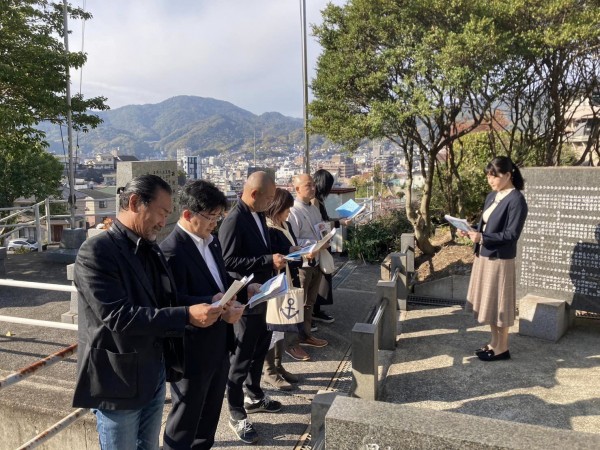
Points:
[[126, 170], [558, 263]]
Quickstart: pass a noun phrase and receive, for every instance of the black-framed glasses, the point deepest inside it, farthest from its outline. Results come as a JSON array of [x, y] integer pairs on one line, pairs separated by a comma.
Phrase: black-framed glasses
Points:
[[215, 218]]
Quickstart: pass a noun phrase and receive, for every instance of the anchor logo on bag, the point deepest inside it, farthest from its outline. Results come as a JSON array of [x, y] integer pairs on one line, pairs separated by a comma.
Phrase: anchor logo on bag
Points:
[[288, 315]]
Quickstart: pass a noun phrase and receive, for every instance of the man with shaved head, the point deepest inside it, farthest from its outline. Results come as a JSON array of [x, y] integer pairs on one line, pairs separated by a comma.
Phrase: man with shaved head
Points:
[[303, 218], [246, 247]]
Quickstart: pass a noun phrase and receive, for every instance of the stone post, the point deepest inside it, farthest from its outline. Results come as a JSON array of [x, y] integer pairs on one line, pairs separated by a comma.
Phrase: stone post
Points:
[[3, 262], [365, 361], [386, 292], [71, 316]]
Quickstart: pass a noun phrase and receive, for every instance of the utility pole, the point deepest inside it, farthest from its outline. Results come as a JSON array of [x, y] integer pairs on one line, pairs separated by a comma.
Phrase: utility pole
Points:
[[305, 85], [71, 174]]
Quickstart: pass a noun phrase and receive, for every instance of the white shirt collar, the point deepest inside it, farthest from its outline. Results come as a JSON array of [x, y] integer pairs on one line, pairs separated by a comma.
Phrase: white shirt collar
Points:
[[197, 239]]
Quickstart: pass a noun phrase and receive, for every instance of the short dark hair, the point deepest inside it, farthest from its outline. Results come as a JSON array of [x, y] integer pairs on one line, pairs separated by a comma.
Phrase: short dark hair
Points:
[[201, 195], [323, 184], [282, 200], [502, 165], [144, 186]]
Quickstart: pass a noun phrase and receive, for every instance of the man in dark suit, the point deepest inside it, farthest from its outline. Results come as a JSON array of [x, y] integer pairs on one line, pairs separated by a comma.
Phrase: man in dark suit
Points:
[[247, 250], [127, 313], [195, 259]]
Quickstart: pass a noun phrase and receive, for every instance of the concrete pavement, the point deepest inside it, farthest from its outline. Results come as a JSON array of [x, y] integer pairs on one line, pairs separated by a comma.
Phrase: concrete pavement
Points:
[[548, 384]]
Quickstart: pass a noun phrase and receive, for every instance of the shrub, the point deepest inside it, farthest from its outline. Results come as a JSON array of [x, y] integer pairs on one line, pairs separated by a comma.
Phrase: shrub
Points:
[[373, 241]]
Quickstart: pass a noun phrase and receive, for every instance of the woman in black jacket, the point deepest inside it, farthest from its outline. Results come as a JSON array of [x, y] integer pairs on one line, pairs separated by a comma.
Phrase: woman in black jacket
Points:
[[492, 289], [284, 242], [323, 184]]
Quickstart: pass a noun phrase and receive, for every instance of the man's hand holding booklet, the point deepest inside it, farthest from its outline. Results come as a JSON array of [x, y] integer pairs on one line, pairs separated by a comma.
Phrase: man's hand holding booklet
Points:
[[324, 241], [272, 288], [235, 287], [298, 254], [460, 224]]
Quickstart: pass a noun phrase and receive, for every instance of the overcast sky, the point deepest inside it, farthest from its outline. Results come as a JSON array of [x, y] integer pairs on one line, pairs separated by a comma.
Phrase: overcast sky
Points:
[[247, 52]]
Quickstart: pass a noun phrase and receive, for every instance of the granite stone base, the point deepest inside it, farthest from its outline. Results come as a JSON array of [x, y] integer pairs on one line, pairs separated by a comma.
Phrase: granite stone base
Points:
[[361, 424], [542, 317]]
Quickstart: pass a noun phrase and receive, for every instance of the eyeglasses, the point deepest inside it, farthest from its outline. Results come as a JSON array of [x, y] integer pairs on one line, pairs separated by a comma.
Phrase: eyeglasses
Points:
[[212, 217]]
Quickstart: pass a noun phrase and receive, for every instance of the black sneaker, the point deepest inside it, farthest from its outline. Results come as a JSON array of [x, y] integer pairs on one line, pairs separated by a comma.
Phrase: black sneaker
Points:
[[265, 404], [320, 316], [244, 430]]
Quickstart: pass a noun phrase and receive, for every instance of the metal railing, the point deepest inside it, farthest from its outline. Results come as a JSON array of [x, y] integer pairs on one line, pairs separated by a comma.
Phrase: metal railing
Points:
[[43, 363], [38, 219], [37, 366]]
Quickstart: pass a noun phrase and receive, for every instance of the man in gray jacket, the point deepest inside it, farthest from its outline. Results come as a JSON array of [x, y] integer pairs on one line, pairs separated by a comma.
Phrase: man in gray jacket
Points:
[[303, 218]]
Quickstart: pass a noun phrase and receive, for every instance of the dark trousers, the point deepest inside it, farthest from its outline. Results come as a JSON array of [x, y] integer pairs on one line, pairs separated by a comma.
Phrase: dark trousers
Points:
[[252, 343], [325, 295], [197, 401], [310, 278]]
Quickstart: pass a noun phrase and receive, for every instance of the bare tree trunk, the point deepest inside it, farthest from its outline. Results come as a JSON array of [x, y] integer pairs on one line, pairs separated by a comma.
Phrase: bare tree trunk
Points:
[[418, 220]]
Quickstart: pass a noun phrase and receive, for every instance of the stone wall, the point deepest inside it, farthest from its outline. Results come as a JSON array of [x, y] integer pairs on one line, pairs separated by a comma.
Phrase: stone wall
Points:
[[559, 250]]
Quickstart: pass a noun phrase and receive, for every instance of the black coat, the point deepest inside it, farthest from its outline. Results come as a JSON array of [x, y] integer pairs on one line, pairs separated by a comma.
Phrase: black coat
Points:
[[200, 347], [281, 244], [245, 251], [122, 328], [504, 226]]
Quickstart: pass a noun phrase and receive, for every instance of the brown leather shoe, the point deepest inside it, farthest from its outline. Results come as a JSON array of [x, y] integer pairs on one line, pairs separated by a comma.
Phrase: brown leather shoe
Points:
[[287, 376], [312, 341], [278, 382], [298, 353]]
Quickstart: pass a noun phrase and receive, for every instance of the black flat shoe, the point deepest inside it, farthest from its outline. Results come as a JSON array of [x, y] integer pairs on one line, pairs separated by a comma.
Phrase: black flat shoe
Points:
[[483, 349], [490, 356]]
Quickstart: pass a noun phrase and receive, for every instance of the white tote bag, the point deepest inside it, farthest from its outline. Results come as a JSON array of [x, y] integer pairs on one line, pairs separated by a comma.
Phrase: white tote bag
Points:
[[285, 312], [326, 263]]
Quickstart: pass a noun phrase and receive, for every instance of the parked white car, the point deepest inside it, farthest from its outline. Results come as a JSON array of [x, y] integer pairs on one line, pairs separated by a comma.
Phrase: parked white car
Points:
[[28, 244]]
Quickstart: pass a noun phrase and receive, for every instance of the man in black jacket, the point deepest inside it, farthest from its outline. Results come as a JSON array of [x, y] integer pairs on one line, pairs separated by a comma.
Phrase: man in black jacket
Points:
[[247, 250], [195, 259], [127, 313]]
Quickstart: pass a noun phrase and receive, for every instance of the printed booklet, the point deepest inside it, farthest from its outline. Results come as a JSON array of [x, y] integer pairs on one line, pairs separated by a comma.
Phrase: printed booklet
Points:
[[461, 224], [350, 209], [272, 288], [235, 287], [323, 242], [297, 255]]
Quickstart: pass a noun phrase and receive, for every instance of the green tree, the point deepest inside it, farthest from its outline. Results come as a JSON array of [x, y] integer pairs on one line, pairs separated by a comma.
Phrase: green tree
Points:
[[361, 186], [33, 81], [26, 170], [555, 65], [377, 180], [462, 194], [407, 71]]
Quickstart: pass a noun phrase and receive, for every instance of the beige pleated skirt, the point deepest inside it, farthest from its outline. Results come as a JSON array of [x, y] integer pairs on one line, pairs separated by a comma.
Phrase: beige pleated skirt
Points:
[[492, 291]]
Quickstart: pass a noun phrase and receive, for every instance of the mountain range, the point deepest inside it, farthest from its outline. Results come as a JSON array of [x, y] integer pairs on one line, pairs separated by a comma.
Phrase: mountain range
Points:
[[205, 126]]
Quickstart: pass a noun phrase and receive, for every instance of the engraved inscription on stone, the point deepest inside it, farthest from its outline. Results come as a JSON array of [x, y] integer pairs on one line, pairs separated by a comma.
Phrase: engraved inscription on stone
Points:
[[560, 245]]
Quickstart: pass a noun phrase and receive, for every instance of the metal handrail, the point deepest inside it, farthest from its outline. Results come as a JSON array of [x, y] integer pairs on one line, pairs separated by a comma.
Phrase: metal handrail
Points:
[[39, 323], [46, 362], [41, 364], [55, 429], [34, 285]]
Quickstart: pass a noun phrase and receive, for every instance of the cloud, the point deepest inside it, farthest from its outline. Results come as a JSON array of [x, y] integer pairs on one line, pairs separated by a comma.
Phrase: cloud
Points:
[[244, 52]]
